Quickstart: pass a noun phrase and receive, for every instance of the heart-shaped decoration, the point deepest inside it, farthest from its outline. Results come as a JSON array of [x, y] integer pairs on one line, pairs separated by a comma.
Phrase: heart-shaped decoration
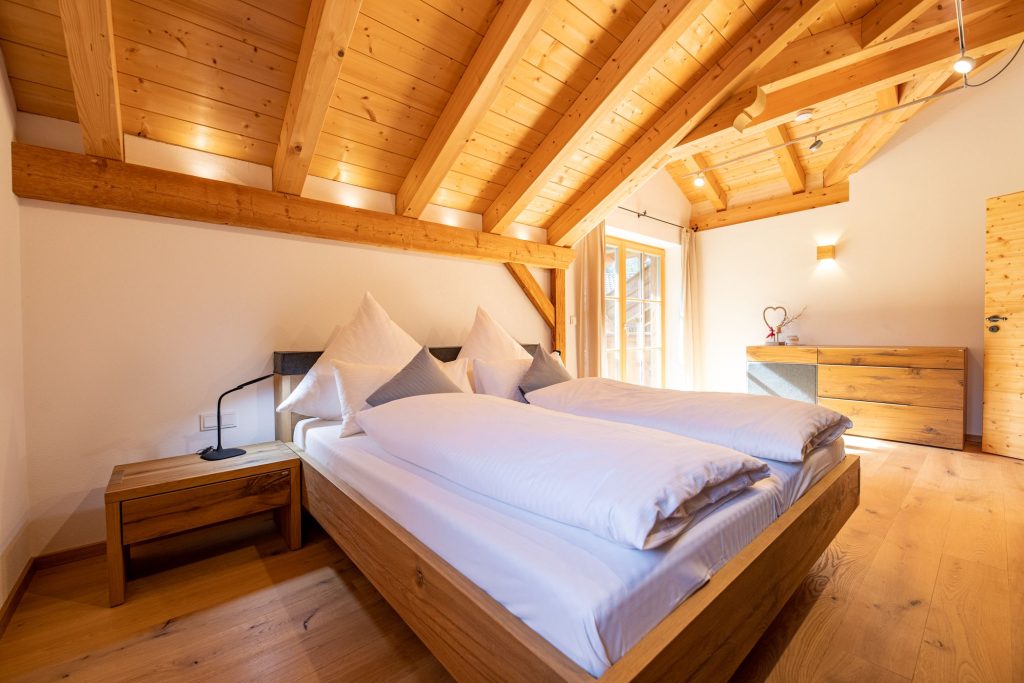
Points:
[[774, 310]]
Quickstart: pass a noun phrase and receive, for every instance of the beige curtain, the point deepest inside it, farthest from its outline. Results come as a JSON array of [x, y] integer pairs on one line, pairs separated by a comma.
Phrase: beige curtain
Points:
[[692, 353], [589, 267]]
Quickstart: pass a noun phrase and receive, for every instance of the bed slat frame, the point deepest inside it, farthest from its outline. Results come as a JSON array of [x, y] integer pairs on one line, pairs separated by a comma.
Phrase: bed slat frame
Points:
[[706, 638]]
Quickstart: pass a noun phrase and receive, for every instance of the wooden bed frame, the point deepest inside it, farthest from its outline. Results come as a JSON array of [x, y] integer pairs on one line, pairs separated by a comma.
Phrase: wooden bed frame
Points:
[[705, 638]]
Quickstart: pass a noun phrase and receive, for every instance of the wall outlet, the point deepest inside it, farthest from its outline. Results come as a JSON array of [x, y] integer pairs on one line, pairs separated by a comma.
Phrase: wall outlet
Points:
[[208, 421]]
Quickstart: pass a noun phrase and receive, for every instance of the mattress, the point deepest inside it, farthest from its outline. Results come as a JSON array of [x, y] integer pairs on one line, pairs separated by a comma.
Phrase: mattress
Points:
[[590, 598]]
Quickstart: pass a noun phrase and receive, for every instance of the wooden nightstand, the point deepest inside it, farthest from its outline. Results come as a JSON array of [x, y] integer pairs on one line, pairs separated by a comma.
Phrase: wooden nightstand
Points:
[[154, 498]]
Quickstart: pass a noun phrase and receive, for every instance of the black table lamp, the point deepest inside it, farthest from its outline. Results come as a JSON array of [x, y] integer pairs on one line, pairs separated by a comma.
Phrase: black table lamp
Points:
[[220, 453]]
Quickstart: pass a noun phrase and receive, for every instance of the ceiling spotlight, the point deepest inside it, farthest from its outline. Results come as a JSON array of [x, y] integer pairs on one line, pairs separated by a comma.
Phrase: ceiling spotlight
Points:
[[699, 181], [803, 116], [816, 145], [964, 65]]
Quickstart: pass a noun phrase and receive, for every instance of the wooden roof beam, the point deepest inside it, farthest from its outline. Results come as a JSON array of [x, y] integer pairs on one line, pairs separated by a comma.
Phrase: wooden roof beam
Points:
[[659, 28], [787, 158], [811, 199], [533, 291], [786, 20], [998, 30], [89, 39], [888, 18], [712, 189], [506, 41], [69, 178], [329, 28]]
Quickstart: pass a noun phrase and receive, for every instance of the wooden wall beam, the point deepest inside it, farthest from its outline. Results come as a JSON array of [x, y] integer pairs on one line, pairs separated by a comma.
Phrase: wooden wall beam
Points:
[[69, 178], [329, 27], [533, 291], [811, 199], [787, 158], [996, 31], [712, 189], [506, 41], [558, 332], [784, 22], [890, 17], [89, 39], [647, 43]]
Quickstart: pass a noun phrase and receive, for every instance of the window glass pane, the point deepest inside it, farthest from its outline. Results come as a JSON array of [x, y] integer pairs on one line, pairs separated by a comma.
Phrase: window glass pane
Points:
[[611, 271], [652, 324], [614, 369], [652, 277], [634, 324], [633, 266], [652, 367], [611, 324]]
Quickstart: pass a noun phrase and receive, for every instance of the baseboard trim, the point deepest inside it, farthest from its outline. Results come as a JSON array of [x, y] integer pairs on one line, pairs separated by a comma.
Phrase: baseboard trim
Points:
[[37, 563], [11, 603]]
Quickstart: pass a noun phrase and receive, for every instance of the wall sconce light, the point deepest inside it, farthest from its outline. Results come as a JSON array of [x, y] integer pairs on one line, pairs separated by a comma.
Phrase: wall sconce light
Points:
[[827, 253]]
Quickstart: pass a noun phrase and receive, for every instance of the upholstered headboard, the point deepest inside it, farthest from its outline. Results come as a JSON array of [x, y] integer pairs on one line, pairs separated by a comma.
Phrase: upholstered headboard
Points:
[[290, 366]]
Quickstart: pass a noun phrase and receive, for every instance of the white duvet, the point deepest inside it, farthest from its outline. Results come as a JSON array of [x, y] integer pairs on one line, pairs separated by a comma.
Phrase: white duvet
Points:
[[762, 426], [637, 487]]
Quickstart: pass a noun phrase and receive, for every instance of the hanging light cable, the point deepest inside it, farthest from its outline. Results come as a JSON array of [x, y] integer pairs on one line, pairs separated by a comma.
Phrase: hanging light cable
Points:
[[965, 64]]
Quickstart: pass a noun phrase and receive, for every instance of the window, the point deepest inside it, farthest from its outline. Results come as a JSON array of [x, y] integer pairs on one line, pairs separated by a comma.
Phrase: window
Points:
[[634, 312]]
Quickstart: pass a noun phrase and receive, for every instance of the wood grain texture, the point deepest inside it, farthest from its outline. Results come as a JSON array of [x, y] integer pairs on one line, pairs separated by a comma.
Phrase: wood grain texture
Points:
[[890, 17], [77, 179], [89, 37], [329, 27], [787, 158], [533, 291], [908, 386], [558, 330], [811, 199], [942, 357], [914, 424], [807, 355], [507, 39]]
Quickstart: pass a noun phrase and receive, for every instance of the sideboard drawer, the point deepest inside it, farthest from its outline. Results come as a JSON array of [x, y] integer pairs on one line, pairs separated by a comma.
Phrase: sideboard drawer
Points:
[[168, 513], [908, 386], [906, 357], [915, 424]]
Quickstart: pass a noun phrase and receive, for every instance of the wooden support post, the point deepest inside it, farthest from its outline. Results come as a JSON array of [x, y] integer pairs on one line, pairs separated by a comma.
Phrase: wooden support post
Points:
[[558, 299]]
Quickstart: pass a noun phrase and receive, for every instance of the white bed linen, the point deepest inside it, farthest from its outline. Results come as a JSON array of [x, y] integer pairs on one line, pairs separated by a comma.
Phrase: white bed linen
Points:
[[590, 598]]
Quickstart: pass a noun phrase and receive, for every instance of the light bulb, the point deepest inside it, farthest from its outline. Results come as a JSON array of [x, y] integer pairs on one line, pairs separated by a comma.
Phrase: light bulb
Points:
[[699, 181], [964, 65], [803, 116], [816, 145]]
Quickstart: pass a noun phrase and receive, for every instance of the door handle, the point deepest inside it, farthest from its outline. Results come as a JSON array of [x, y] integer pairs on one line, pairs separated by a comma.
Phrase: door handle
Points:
[[995, 318]]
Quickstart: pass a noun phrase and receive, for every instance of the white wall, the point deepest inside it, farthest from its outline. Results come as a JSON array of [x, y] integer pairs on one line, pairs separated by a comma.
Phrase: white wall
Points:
[[910, 265], [14, 502]]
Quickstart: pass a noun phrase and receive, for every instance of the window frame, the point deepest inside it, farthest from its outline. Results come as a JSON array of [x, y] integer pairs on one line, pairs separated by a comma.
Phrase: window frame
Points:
[[622, 245]]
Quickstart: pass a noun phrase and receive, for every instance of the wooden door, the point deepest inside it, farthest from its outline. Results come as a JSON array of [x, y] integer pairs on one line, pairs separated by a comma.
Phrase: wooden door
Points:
[[1003, 429]]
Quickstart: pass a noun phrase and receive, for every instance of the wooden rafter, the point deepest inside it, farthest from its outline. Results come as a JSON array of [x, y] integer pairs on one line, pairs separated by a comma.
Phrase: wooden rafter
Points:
[[996, 31], [787, 158], [69, 178], [659, 28], [811, 199], [328, 30], [506, 40], [781, 24], [712, 189], [890, 17], [89, 38], [533, 291]]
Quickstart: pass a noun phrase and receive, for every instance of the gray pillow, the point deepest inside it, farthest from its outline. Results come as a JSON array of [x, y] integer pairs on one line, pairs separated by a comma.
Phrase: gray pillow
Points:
[[544, 371], [423, 375]]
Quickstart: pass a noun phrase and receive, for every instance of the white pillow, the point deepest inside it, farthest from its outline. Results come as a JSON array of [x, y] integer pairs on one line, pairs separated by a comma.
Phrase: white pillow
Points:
[[371, 338], [489, 340], [355, 382], [500, 377]]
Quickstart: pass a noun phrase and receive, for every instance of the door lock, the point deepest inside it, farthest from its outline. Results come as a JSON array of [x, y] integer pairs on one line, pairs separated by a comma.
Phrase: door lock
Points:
[[995, 319], [993, 328]]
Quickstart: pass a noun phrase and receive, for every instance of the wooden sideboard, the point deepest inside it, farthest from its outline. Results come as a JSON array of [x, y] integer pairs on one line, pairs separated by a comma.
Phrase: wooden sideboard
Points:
[[915, 394]]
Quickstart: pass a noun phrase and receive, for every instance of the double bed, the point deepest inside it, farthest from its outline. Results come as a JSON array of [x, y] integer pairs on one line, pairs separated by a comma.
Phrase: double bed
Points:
[[499, 593]]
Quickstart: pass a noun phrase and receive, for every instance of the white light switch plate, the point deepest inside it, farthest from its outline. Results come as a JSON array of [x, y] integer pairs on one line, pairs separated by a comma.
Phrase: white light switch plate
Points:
[[208, 421]]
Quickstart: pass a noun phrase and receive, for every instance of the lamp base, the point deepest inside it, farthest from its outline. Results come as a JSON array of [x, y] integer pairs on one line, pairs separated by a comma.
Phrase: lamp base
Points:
[[222, 453]]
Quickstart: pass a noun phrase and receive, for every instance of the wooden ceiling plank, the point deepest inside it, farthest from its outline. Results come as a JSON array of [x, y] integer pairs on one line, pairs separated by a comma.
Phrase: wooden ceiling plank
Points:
[[890, 17], [659, 28], [996, 31], [69, 178], [324, 42], [872, 136], [89, 38], [786, 20], [501, 49], [712, 188], [533, 291], [787, 158], [811, 199]]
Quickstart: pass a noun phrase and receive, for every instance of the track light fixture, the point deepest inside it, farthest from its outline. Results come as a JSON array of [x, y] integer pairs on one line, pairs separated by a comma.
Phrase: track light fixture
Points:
[[699, 181], [965, 64], [816, 145], [803, 116]]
